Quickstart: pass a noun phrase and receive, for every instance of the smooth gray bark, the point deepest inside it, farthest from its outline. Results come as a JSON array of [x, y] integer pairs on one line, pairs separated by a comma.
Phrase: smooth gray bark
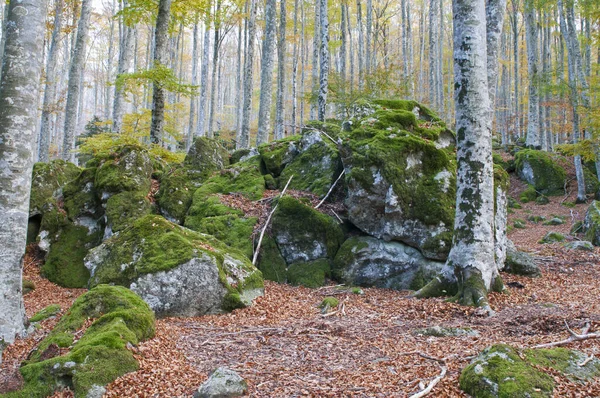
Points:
[[266, 75], [109, 63], [215, 69], [125, 61], [75, 75], [295, 70], [161, 58], [21, 72], [279, 108], [315, 61], [192, 120], [324, 70], [359, 27], [204, 79], [533, 115], [50, 85], [244, 138]]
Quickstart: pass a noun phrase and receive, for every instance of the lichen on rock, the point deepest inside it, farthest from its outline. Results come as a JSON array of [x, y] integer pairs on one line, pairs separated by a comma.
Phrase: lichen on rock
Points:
[[541, 170]]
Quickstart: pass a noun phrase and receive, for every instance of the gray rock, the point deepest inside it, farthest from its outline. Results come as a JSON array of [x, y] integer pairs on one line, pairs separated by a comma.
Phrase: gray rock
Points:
[[520, 263], [177, 271], [206, 155], [582, 245], [222, 383], [367, 261], [554, 221], [440, 331], [552, 237], [591, 223], [96, 392]]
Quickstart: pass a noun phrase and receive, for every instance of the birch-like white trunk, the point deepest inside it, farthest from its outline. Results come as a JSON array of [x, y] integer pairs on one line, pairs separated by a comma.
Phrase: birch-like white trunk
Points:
[[50, 85], [125, 61], [215, 69], [279, 108], [470, 270], [75, 76], [324, 69], [315, 61], [361, 49], [21, 73], [295, 70], [266, 75], [533, 115], [204, 79], [192, 120], [244, 138]]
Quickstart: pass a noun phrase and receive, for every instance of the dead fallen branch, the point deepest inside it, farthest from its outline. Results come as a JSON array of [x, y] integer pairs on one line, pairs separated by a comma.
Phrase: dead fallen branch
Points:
[[330, 189], [262, 233], [584, 335], [432, 383]]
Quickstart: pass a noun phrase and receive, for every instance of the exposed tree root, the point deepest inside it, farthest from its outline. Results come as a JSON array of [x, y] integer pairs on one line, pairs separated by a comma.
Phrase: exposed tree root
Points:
[[585, 335]]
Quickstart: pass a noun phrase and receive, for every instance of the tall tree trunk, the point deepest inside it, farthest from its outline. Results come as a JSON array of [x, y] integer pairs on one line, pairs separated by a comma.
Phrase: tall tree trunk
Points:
[[75, 74], [238, 79], [470, 271], [50, 90], [125, 60], [21, 73], [533, 119], [315, 61], [361, 46], [279, 109], [324, 71], [343, 47], [244, 139], [192, 120], [266, 75], [215, 68], [350, 47], [161, 59], [369, 36], [295, 70], [433, 53], [109, 62], [204, 78]]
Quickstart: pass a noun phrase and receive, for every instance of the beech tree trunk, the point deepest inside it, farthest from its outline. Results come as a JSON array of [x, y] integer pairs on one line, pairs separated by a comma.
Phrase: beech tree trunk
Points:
[[324, 70], [161, 58], [192, 120], [50, 89], [204, 78], [215, 68], [533, 115], [125, 60], [21, 73], [75, 77], [244, 139], [470, 271], [266, 75], [279, 109]]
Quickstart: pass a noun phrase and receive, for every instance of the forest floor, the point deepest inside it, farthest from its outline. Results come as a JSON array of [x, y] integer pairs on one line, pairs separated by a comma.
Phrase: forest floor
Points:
[[285, 347]]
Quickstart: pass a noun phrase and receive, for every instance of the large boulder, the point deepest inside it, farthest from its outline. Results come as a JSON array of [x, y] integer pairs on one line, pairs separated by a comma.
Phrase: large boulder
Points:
[[541, 170], [504, 371], [177, 271], [591, 223], [401, 177], [85, 363], [277, 154], [129, 169], [371, 262], [206, 155], [46, 180], [176, 191], [520, 263], [317, 165]]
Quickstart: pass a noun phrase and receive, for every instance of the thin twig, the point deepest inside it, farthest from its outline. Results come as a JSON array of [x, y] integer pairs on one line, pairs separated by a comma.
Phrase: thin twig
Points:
[[330, 189], [262, 233], [431, 384], [584, 335], [585, 362]]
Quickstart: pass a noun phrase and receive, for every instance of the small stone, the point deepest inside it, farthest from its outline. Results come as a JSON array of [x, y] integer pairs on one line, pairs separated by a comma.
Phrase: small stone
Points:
[[582, 245], [222, 383], [520, 263], [96, 392], [440, 331], [552, 237], [554, 221]]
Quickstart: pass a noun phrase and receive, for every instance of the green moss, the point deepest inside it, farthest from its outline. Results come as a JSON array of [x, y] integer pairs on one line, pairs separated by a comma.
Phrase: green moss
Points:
[[329, 302], [331, 128], [544, 174], [128, 170], [418, 280], [45, 313], [513, 204], [64, 264], [536, 219], [569, 204], [498, 160], [500, 372], [565, 361], [238, 154], [592, 185], [28, 286], [306, 225], [528, 195], [552, 237], [519, 223], [124, 207], [314, 170], [80, 195], [501, 178], [270, 261], [270, 182], [177, 188], [47, 178], [277, 154], [577, 228], [408, 105], [243, 178], [100, 356], [206, 155], [311, 274], [231, 229], [555, 221]]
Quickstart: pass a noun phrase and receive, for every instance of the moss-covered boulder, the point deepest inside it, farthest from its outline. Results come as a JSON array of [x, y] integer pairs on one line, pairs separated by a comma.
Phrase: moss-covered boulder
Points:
[[591, 223], [401, 177], [206, 155], [311, 274], [129, 169], [541, 170], [176, 191], [552, 237], [270, 261], [520, 263], [277, 154], [316, 167], [304, 234], [118, 317], [370, 262], [209, 214], [46, 179], [506, 372], [177, 271]]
